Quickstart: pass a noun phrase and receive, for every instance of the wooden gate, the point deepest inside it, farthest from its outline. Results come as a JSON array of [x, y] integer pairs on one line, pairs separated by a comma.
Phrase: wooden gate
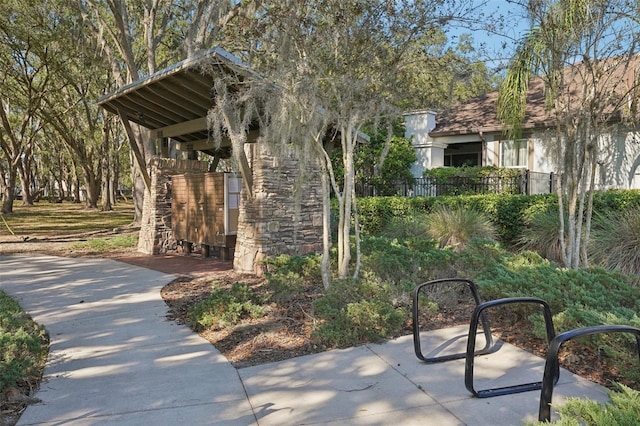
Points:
[[204, 208]]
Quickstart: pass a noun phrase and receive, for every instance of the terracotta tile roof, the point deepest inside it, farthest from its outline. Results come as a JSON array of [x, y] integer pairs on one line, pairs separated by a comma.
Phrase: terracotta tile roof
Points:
[[479, 115]]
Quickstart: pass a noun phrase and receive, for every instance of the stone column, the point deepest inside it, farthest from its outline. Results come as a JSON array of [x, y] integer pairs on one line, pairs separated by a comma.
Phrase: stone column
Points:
[[284, 215]]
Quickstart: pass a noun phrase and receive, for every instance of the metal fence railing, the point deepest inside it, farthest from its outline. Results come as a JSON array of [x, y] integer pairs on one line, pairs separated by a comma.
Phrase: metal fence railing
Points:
[[526, 183], [539, 183]]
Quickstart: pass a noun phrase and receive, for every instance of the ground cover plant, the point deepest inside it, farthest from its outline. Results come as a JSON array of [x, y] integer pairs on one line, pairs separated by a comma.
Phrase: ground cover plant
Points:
[[99, 245], [622, 410], [23, 353], [225, 308], [578, 298]]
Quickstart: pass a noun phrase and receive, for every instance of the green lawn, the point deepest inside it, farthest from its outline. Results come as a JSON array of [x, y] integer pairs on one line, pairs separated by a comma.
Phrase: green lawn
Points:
[[46, 219]]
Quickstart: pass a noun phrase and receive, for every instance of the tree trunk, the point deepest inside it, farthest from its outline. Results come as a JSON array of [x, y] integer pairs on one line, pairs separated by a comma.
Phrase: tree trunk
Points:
[[61, 188], [76, 189], [147, 148], [115, 178], [26, 184], [344, 231], [105, 161], [326, 231], [9, 192], [92, 187]]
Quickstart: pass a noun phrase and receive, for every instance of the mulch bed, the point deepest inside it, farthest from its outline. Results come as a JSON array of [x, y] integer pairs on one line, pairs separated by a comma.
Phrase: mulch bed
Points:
[[285, 330]]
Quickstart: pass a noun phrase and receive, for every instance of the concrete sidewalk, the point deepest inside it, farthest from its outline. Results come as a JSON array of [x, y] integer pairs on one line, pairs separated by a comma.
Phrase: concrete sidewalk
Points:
[[116, 359]]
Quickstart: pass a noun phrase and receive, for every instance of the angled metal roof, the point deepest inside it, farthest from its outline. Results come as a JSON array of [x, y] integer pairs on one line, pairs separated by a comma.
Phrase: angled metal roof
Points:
[[175, 100]]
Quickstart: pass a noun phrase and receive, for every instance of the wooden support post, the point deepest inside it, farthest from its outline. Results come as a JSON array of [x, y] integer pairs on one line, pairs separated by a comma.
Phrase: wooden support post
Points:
[[224, 253], [214, 164], [162, 145], [246, 172], [136, 150]]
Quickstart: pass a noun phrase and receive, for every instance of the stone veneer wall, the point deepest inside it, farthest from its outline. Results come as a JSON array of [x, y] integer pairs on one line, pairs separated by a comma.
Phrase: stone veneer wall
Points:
[[277, 219], [155, 230]]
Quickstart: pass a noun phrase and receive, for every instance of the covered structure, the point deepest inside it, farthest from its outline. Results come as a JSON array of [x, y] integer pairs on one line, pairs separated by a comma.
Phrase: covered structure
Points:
[[172, 105]]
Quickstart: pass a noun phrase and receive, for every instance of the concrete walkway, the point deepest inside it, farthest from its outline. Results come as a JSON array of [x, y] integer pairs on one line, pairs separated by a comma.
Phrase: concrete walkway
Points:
[[116, 359]]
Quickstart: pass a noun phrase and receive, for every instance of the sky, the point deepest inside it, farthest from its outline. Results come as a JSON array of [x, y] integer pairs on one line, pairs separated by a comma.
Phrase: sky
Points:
[[501, 44]]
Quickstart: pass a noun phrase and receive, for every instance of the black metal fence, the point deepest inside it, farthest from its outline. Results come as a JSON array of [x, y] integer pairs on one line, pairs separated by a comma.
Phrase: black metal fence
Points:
[[526, 183]]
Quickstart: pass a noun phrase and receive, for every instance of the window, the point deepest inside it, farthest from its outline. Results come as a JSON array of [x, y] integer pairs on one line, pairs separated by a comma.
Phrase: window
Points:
[[463, 154], [461, 160], [514, 153]]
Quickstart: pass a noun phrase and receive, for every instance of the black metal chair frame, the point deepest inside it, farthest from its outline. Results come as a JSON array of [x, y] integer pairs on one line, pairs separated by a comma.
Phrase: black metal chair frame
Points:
[[471, 341], [552, 365], [416, 326]]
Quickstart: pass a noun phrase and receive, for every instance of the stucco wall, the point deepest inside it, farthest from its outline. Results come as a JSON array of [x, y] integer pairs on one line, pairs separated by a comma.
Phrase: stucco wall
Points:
[[618, 164]]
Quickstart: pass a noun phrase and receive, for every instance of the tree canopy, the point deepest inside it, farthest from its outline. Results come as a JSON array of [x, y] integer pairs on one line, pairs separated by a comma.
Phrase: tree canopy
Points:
[[325, 67], [585, 53], [332, 66]]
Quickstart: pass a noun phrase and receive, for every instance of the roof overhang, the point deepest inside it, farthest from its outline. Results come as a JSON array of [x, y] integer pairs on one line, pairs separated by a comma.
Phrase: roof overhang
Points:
[[174, 102]]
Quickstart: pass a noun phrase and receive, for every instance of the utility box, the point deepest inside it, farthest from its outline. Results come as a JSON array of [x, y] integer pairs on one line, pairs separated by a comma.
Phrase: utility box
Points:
[[204, 209]]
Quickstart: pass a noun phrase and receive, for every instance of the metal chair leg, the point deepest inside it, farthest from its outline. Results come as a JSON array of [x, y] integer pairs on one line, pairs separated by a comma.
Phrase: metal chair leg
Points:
[[473, 326], [552, 366], [416, 325]]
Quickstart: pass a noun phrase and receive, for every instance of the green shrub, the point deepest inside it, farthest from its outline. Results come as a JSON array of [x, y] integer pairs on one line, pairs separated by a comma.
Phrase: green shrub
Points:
[[360, 322], [395, 261], [578, 298], [285, 286], [623, 409], [389, 259], [507, 212], [478, 255], [226, 307], [375, 213], [527, 274], [354, 312], [456, 227], [406, 227], [23, 347], [615, 241], [306, 266], [616, 200], [542, 235], [286, 275]]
